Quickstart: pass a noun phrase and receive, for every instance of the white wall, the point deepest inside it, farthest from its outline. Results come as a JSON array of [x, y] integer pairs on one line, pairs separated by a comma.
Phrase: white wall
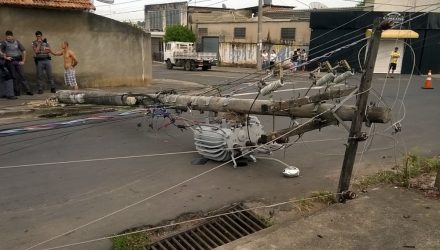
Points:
[[384, 55], [396, 5]]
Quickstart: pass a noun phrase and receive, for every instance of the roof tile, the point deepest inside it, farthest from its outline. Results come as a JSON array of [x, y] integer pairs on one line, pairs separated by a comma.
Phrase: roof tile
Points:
[[57, 4]]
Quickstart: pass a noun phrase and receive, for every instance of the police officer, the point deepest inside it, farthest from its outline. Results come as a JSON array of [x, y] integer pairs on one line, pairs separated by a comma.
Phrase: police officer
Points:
[[42, 60], [16, 57], [6, 82]]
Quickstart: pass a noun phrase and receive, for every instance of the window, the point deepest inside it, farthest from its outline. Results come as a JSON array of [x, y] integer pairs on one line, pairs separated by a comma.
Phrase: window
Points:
[[203, 31], [173, 17], [155, 18], [239, 32], [288, 33]]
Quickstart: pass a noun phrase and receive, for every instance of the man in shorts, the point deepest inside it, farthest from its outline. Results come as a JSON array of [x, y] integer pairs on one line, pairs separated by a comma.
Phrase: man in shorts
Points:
[[70, 62], [393, 61]]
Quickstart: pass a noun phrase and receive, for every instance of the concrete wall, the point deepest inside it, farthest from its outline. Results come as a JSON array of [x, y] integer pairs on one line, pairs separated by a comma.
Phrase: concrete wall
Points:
[[110, 53], [396, 5], [271, 31], [245, 54]]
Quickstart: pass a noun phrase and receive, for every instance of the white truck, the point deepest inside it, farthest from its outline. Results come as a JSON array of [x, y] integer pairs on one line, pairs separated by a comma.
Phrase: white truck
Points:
[[183, 54]]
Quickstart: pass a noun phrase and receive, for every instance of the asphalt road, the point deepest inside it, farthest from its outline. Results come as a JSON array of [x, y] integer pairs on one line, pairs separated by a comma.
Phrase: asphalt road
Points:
[[40, 202]]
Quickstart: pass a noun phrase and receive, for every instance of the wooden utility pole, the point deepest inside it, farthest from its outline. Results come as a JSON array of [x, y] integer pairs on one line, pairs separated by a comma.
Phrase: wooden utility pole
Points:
[[355, 134], [259, 36]]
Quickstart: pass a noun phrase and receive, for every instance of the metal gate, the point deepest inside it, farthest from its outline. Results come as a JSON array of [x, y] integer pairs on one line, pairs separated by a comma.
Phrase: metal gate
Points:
[[210, 44]]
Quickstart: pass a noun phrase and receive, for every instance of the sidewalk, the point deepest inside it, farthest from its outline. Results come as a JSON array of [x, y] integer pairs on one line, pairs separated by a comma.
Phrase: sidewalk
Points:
[[384, 218]]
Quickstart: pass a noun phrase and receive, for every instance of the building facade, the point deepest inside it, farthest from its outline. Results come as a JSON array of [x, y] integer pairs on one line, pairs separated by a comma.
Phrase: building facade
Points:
[[160, 16], [232, 33]]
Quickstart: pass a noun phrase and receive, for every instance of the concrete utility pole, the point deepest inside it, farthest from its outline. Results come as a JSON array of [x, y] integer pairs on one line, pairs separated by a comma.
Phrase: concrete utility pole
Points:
[[306, 107], [259, 36], [437, 180], [355, 134]]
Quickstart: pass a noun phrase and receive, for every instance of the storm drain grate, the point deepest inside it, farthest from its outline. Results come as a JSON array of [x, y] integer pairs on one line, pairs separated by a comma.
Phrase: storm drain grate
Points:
[[213, 233]]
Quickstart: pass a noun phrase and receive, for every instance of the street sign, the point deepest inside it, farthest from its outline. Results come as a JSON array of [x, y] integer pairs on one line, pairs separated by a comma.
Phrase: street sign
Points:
[[395, 17]]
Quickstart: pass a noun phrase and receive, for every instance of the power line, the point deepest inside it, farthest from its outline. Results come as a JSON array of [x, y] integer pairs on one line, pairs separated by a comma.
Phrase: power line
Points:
[[187, 180], [171, 187]]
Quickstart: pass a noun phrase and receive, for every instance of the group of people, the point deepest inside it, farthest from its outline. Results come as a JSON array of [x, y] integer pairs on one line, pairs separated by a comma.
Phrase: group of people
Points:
[[297, 59], [13, 57]]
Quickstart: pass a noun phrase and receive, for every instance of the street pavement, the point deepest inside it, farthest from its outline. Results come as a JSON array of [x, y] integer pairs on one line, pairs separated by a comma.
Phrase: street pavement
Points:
[[40, 202]]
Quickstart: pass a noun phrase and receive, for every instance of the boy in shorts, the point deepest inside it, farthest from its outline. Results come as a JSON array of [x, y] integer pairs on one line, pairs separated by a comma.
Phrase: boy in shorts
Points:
[[70, 62], [393, 62]]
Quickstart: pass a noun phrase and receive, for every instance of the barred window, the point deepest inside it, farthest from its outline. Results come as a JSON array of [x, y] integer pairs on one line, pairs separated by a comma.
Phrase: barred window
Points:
[[173, 17], [288, 33], [155, 18], [239, 32], [203, 31]]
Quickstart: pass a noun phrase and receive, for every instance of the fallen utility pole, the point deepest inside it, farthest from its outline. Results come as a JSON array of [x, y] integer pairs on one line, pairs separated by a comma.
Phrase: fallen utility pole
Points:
[[355, 134], [307, 107]]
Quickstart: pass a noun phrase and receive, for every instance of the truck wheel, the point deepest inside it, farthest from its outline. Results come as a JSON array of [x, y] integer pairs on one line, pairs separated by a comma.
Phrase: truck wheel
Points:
[[169, 64], [205, 68], [187, 65]]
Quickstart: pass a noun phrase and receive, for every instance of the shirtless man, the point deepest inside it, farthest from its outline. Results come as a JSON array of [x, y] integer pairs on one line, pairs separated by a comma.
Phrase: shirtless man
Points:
[[70, 62]]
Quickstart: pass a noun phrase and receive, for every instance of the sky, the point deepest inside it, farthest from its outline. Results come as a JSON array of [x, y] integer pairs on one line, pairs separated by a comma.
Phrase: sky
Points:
[[132, 10]]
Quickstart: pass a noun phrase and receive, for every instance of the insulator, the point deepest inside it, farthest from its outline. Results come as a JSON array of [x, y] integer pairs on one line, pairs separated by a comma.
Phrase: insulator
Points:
[[327, 78], [344, 76], [271, 87]]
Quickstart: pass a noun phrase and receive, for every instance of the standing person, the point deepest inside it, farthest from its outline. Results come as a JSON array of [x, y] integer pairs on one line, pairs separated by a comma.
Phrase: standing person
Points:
[[273, 58], [42, 60], [303, 58], [6, 82], [70, 62], [294, 60], [393, 61], [265, 59], [16, 58]]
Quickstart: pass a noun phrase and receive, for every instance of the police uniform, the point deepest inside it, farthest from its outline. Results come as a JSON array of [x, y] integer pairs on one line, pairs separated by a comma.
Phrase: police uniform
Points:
[[15, 49], [42, 61], [6, 82]]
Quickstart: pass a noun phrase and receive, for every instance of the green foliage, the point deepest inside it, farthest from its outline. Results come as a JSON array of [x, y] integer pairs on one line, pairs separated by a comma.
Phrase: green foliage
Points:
[[325, 197], [360, 4], [179, 33], [414, 165], [384, 176], [135, 241]]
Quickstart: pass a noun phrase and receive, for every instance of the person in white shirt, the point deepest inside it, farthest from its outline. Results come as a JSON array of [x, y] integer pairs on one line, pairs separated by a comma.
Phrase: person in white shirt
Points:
[[265, 57], [303, 57]]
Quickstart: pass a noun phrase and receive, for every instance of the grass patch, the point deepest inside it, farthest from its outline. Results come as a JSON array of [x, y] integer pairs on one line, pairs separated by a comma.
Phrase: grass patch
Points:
[[325, 197], [303, 205], [135, 241], [306, 204], [413, 165]]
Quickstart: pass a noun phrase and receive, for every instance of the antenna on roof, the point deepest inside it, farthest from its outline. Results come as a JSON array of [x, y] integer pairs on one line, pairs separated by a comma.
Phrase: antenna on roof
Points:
[[106, 1], [317, 5]]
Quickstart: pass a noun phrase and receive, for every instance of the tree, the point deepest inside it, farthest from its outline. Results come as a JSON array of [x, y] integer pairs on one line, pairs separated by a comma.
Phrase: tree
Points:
[[361, 4], [179, 33]]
